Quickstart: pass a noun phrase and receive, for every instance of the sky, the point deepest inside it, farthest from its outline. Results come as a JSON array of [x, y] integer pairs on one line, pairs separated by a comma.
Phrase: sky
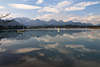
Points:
[[87, 11]]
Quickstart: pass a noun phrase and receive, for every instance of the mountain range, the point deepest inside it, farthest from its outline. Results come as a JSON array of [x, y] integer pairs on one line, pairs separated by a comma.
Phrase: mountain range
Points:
[[29, 22]]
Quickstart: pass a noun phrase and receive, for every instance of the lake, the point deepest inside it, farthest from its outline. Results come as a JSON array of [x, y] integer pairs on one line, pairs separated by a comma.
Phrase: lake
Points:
[[50, 48]]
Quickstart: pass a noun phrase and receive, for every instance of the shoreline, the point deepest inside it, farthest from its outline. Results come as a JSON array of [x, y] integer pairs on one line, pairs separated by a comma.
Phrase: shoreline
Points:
[[50, 29]]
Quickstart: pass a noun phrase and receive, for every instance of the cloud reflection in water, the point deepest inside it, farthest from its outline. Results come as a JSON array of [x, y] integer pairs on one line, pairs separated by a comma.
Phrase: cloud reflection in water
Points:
[[72, 48]]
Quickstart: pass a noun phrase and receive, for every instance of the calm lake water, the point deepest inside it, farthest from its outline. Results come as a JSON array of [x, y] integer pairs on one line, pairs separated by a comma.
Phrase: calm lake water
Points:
[[50, 48]]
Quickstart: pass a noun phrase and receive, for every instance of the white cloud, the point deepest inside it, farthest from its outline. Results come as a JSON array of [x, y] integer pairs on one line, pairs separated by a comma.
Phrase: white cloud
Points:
[[1, 7], [24, 6], [5, 42], [86, 4], [39, 1], [74, 8], [49, 9], [49, 46], [14, 15], [81, 48], [55, 8], [75, 46], [26, 50], [94, 19], [2, 50], [63, 3], [45, 17], [81, 6], [48, 17]]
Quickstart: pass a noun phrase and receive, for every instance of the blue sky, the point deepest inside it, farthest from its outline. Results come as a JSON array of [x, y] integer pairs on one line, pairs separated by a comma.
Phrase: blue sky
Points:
[[66, 10]]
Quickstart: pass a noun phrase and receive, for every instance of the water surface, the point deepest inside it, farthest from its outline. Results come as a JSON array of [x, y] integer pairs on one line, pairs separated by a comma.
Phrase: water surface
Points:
[[50, 48]]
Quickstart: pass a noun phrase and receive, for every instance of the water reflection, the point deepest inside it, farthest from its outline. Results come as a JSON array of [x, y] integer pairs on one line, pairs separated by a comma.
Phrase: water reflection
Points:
[[49, 48]]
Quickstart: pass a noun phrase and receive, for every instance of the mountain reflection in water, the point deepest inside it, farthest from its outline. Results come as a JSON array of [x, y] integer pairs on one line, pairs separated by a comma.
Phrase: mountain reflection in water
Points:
[[49, 48]]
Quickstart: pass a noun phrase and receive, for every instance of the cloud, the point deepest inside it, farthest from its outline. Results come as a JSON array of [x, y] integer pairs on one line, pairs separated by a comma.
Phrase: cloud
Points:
[[81, 48], [74, 46], [55, 8], [39, 1], [26, 50], [24, 6], [49, 46], [49, 16], [1, 7], [81, 6], [63, 3], [2, 50], [45, 17], [7, 42], [49, 9], [94, 19], [25, 0], [14, 15]]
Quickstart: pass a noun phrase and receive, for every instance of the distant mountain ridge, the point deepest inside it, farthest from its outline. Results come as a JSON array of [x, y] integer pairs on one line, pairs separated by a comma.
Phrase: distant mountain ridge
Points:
[[37, 22], [9, 23], [29, 22]]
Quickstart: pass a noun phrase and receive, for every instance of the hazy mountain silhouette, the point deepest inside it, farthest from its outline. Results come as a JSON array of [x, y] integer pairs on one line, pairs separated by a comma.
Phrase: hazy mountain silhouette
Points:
[[23, 21], [37, 22]]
